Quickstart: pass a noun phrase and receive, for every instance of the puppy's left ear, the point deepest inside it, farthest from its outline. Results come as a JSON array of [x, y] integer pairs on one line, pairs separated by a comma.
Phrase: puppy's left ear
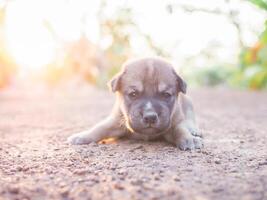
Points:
[[181, 84], [115, 83]]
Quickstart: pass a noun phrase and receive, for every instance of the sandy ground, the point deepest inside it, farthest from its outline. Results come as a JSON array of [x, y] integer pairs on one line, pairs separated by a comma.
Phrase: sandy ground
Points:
[[37, 163]]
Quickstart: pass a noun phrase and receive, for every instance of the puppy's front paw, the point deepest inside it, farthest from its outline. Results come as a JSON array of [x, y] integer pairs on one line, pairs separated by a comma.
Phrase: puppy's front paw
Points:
[[194, 130], [79, 138], [190, 143]]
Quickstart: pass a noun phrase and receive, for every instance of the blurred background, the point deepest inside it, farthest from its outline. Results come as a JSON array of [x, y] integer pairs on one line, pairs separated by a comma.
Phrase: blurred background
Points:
[[61, 42]]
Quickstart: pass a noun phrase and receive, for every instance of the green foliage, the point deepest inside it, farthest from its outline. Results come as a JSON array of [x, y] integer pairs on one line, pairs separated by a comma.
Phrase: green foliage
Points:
[[253, 60], [209, 76], [253, 67], [261, 3], [253, 77]]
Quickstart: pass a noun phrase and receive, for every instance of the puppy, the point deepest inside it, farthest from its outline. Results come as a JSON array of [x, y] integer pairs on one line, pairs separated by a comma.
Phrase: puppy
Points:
[[150, 103]]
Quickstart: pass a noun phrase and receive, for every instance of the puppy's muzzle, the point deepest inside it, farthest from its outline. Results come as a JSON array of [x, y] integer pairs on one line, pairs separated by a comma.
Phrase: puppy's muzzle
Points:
[[150, 118]]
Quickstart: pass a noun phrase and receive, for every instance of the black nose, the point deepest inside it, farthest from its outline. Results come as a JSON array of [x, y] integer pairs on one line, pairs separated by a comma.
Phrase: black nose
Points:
[[150, 118]]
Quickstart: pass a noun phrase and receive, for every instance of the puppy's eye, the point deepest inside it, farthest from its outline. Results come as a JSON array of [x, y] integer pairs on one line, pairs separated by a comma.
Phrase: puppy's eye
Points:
[[133, 94], [166, 94]]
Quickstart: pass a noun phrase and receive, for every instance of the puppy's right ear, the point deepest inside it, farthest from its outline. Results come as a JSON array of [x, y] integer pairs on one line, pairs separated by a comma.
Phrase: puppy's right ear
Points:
[[182, 86], [115, 83]]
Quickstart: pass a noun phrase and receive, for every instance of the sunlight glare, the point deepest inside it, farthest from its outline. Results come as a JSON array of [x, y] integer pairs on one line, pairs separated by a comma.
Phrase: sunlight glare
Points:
[[29, 42]]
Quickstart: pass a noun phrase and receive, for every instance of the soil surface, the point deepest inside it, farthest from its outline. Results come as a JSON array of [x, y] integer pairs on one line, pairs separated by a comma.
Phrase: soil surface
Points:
[[37, 163]]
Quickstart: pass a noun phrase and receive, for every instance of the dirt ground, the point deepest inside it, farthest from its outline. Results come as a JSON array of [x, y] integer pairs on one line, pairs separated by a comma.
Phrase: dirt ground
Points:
[[37, 163]]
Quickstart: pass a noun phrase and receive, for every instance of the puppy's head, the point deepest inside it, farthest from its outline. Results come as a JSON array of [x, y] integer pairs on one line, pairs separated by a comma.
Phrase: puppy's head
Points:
[[147, 89]]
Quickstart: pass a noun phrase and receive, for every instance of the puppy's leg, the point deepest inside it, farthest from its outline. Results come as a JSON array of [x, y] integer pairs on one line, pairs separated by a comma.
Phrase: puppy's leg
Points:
[[107, 128], [184, 138], [185, 133], [192, 128], [189, 115]]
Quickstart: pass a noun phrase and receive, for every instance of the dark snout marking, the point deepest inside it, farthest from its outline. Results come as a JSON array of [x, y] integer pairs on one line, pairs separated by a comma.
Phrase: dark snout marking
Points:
[[150, 117]]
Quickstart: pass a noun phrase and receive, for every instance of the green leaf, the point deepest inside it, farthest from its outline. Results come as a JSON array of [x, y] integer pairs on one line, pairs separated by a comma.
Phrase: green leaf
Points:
[[260, 3]]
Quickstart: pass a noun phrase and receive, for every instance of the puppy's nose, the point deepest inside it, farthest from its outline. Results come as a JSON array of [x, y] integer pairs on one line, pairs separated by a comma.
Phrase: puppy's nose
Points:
[[150, 118]]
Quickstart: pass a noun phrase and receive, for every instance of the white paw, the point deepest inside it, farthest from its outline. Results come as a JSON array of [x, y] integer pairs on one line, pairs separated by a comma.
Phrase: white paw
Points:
[[194, 131], [190, 143], [78, 138]]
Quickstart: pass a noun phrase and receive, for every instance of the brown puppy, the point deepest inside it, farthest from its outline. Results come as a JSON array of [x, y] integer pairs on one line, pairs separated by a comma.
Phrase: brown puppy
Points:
[[150, 103]]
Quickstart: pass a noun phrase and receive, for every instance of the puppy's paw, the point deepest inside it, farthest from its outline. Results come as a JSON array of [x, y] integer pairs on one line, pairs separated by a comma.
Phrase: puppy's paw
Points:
[[193, 129], [190, 143], [195, 132], [79, 138]]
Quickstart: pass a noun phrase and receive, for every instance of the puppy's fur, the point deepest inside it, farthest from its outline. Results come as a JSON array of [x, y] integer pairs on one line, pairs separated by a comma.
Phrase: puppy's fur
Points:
[[150, 103]]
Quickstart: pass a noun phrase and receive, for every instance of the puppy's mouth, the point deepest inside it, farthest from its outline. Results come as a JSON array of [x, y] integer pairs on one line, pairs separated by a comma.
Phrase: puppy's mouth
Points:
[[149, 130], [145, 130]]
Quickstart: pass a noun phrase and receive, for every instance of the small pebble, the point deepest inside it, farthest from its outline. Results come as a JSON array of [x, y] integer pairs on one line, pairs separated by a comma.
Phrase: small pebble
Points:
[[118, 186], [217, 161], [64, 192], [177, 179], [80, 172], [13, 190], [263, 163]]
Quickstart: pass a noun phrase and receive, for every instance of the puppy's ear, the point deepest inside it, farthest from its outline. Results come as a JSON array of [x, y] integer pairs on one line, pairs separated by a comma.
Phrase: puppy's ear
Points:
[[181, 84], [115, 82]]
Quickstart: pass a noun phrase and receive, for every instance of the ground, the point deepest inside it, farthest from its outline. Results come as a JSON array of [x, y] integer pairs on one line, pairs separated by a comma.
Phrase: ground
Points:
[[37, 163]]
